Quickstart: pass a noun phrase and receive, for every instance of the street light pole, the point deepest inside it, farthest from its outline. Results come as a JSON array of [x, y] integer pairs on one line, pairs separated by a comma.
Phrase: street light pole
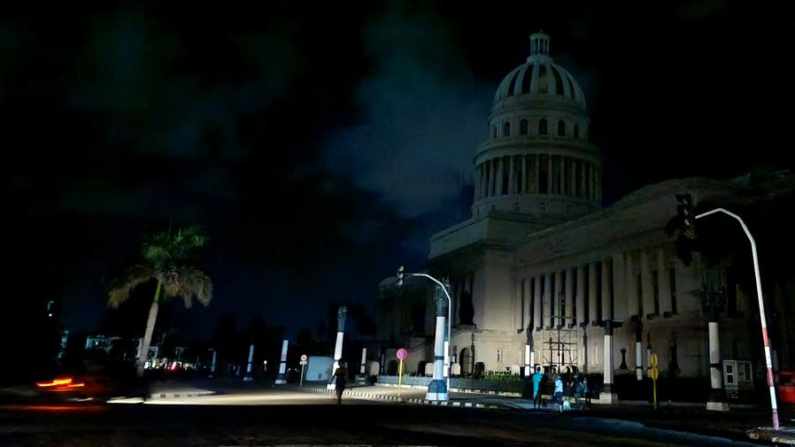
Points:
[[763, 319], [449, 310]]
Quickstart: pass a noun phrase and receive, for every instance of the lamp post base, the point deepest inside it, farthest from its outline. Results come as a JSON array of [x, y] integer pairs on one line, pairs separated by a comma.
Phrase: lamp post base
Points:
[[437, 391], [717, 406]]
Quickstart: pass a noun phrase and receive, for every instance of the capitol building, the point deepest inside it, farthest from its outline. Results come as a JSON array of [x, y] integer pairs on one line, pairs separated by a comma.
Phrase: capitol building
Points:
[[543, 273]]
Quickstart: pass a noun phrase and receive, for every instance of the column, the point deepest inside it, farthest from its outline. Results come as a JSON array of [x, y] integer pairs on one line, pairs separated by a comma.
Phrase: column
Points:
[[491, 172], [573, 179], [500, 169], [639, 350], [437, 389], [342, 314], [607, 395], [212, 368], [569, 294], [646, 284], [580, 299], [249, 369], [716, 401], [632, 287], [619, 288], [537, 322], [281, 379], [525, 180], [547, 321], [664, 283], [558, 300], [512, 180], [363, 367], [592, 302], [582, 179], [607, 313]]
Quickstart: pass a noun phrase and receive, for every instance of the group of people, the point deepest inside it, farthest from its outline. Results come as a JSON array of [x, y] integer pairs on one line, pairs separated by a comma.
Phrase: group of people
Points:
[[576, 387]]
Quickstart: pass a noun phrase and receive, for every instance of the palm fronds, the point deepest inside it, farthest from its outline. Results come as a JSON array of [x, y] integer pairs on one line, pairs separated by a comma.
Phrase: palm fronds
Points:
[[123, 287], [188, 282]]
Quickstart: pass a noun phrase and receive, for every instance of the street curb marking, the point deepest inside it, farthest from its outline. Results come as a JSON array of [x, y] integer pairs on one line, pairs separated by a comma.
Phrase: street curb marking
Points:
[[179, 395], [417, 401]]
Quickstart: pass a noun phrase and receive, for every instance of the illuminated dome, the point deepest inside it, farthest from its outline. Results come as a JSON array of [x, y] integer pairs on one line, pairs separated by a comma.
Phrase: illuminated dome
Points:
[[537, 161], [540, 78]]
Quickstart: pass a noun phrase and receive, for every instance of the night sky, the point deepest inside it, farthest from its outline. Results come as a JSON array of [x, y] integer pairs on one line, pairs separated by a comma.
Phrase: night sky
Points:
[[320, 145]]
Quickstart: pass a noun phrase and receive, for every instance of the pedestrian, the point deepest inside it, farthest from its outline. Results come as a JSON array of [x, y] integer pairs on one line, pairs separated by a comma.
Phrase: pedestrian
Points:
[[577, 388], [537, 378], [559, 392], [586, 393], [340, 380]]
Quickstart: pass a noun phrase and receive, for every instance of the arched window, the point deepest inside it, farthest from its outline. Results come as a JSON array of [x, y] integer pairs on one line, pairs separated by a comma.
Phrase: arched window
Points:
[[494, 132], [542, 126], [506, 129], [561, 128], [576, 131], [523, 127]]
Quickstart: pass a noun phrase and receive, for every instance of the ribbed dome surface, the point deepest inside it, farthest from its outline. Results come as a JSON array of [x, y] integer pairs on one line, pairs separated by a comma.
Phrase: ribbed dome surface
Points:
[[539, 76]]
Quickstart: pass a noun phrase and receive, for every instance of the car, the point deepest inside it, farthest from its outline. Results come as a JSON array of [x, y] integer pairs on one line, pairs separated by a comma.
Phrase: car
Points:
[[78, 387]]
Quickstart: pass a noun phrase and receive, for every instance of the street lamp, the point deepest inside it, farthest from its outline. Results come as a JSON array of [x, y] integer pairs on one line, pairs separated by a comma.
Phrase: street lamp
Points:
[[401, 276], [766, 339]]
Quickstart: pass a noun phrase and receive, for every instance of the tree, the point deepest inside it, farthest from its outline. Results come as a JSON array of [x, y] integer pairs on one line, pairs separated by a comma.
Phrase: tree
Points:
[[166, 256]]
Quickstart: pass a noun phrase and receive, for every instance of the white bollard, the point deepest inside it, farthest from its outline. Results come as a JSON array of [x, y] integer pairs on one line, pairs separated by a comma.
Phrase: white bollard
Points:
[[281, 379], [249, 377]]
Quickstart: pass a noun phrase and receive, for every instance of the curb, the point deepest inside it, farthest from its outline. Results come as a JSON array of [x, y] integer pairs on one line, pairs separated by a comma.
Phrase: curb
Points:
[[180, 395], [417, 401], [784, 436], [455, 390]]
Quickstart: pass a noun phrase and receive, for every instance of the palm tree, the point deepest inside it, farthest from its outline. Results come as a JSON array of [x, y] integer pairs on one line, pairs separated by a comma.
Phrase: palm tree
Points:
[[165, 255]]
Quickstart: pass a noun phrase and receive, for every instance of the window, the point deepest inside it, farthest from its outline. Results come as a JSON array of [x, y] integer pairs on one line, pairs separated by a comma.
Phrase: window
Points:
[[523, 127], [561, 128], [542, 126], [506, 129], [576, 131], [494, 132], [499, 356]]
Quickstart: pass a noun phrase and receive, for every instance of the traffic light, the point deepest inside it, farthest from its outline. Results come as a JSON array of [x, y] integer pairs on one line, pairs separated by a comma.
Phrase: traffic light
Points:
[[401, 275], [684, 211]]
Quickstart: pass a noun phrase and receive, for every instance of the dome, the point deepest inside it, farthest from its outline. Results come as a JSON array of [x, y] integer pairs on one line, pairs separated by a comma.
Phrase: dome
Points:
[[540, 77]]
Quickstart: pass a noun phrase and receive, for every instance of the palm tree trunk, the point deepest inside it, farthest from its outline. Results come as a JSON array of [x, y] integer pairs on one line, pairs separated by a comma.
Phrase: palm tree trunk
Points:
[[150, 327]]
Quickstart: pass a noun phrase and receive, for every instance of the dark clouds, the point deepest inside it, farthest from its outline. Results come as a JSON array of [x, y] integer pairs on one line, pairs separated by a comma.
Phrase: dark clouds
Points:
[[321, 145], [421, 114]]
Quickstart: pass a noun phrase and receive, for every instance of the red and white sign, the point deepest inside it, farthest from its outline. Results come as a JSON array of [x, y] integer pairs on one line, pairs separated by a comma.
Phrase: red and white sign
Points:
[[402, 354], [304, 357]]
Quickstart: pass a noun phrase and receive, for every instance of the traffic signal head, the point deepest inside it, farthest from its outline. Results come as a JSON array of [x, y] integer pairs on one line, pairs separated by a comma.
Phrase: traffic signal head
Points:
[[685, 215], [400, 275]]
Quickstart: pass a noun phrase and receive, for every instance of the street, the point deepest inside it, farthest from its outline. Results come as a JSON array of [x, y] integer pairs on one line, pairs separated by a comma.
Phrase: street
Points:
[[298, 418]]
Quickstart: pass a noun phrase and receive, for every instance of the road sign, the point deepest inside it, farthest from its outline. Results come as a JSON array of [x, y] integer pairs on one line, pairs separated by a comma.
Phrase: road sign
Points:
[[304, 357], [402, 354], [303, 362], [654, 360], [655, 373]]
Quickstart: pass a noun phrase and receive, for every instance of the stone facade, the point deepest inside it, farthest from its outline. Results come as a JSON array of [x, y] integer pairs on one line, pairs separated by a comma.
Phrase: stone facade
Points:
[[540, 253]]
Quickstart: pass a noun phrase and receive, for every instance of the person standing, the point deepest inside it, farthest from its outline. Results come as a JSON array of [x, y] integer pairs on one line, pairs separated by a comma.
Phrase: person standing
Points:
[[340, 380], [559, 392], [586, 393], [538, 377]]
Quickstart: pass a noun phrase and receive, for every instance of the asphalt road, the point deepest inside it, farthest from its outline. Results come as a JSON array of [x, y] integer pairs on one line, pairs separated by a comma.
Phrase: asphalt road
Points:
[[290, 418]]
